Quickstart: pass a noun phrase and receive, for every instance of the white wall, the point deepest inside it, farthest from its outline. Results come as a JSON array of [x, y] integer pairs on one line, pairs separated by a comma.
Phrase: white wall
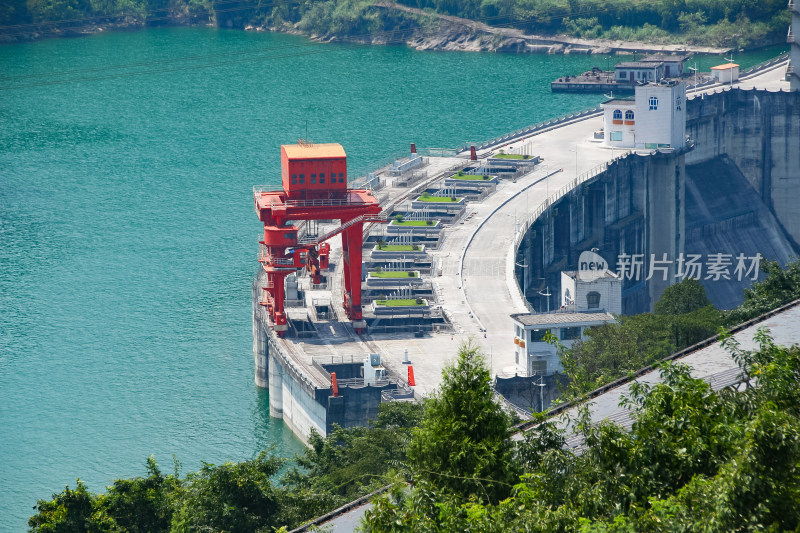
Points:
[[536, 350], [610, 291], [724, 76], [628, 131], [665, 125], [567, 284]]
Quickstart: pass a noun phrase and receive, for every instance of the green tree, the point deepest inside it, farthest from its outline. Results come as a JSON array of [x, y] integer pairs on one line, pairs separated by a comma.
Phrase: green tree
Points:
[[463, 445], [70, 511], [683, 316], [141, 505], [695, 460], [684, 297], [233, 497], [348, 463], [781, 286]]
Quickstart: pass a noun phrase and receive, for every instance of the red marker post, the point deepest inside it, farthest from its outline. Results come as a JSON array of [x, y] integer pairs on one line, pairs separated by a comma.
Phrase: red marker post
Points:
[[334, 385]]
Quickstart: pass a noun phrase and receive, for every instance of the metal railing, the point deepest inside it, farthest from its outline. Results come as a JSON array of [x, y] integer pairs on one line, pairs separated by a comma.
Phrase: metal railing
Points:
[[402, 392], [336, 359], [536, 127], [359, 382], [510, 406], [323, 202]]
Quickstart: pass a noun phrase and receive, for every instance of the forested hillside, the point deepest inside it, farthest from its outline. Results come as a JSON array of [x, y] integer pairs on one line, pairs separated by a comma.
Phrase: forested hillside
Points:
[[736, 23]]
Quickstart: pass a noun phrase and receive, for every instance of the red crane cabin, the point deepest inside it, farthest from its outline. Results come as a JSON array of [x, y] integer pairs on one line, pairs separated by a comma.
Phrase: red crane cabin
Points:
[[313, 171], [314, 188]]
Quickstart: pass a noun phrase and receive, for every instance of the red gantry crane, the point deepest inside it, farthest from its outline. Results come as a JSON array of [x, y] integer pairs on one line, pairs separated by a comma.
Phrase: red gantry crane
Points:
[[314, 188]]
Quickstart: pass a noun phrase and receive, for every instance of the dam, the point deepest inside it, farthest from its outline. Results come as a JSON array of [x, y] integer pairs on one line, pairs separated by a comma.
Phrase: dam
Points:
[[465, 240]]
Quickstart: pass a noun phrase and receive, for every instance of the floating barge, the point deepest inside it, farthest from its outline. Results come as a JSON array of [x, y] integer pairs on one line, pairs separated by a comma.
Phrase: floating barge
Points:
[[593, 81], [625, 76]]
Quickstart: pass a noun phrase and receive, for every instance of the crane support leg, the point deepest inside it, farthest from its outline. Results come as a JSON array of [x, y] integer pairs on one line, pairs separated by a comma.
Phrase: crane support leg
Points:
[[352, 242], [278, 314]]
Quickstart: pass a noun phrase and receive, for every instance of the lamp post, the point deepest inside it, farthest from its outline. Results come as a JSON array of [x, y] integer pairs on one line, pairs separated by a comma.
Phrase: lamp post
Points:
[[524, 277], [730, 61], [576, 160], [547, 294], [694, 69], [541, 394]]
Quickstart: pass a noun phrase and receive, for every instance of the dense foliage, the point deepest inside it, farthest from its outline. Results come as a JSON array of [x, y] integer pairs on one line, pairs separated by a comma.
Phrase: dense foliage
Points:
[[683, 316], [695, 460], [782, 285], [736, 23], [243, 497], [463, 445], [714, 22]]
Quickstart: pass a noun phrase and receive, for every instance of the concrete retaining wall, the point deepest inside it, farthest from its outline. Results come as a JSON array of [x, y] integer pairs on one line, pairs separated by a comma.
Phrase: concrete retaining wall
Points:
[[378, 255], [454, 182], [433, 229], [446, 207], [760, 132], [394, 282]]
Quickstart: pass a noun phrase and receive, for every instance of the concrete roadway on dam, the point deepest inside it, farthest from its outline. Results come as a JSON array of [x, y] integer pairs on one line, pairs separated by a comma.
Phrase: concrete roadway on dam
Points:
[[490, 291]]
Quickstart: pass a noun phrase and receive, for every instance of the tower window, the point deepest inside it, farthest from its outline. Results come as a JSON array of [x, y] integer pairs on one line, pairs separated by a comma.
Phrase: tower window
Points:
[[653, 103], [628, 115], [617, 114], [593, 300]]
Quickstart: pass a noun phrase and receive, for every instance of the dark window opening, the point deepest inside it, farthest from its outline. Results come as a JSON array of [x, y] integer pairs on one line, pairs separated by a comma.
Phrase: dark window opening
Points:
[[570, 334], [593, 300], [537, 335]]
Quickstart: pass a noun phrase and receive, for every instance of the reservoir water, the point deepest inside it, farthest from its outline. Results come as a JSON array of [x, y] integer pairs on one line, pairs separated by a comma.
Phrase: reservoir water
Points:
[[128, 238]]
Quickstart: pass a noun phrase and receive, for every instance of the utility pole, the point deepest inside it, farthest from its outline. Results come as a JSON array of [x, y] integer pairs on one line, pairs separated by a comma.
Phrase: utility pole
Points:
[[730, 61], [541, 393], [547, 294], [576, 160], [524, 277], [694, 69]]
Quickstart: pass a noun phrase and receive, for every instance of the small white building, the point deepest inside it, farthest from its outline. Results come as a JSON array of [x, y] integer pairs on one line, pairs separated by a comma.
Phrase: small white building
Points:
[[727, 73], [657, 118], [673, 63], [601, 294], [619, 117], [639, 71], [532, 354]]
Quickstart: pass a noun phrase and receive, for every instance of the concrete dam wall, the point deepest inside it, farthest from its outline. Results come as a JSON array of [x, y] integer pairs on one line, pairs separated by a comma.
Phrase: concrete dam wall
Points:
[[735, 192], [759, 132]]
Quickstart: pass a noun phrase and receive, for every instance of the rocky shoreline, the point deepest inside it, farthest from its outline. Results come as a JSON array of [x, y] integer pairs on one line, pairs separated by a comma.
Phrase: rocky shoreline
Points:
[[446, 34]]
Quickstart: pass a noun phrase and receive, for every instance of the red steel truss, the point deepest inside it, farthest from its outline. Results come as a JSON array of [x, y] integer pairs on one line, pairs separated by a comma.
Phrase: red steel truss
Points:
[[281, 253]]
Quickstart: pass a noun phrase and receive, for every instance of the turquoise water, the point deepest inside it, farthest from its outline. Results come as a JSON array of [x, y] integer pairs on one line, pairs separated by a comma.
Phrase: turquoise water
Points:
[[128, 237]]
